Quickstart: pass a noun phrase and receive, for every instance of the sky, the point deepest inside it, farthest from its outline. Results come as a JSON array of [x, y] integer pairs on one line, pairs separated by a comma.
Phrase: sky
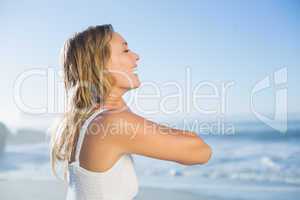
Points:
[[235, 42]]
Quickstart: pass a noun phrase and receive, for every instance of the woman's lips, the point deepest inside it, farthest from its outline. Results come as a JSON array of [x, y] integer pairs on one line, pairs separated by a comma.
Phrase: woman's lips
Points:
[[135, 71]]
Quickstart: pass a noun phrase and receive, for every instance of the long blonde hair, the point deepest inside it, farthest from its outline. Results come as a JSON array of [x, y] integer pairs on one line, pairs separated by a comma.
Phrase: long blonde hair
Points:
[[87, 83]]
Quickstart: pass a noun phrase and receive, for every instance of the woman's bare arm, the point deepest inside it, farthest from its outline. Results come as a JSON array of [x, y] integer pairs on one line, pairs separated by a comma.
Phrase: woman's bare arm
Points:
[[132, 133]]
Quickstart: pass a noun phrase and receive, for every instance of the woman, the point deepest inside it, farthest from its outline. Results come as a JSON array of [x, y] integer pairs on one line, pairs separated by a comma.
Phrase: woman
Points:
[[99, 132]]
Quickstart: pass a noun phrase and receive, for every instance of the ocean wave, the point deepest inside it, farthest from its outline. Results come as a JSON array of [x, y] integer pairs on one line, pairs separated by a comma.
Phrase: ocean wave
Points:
[[276, 162]]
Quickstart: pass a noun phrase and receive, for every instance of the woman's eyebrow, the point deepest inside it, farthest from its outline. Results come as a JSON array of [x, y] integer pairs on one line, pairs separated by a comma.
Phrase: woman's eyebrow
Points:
[[125, 43]]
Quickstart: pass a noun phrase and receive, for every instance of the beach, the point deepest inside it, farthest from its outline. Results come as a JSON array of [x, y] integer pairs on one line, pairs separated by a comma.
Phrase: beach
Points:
[[53, 189], [49, 190]]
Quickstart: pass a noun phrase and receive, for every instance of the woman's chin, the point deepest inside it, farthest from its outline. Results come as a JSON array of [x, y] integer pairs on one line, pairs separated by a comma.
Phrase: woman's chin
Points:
[[135, 84]]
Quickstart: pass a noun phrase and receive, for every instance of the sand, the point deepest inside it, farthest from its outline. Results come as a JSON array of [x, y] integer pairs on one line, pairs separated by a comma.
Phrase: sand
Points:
[[49, 190]]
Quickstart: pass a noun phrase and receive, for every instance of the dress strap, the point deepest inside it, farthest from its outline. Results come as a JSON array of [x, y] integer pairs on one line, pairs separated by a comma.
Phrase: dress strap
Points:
[[83, 131]]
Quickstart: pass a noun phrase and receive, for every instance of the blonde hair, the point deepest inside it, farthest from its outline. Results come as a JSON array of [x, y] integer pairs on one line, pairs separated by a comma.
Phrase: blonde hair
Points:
[[84, 58]]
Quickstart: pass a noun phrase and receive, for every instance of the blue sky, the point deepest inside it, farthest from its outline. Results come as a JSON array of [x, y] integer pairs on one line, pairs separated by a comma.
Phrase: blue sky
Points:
[[240, 41]]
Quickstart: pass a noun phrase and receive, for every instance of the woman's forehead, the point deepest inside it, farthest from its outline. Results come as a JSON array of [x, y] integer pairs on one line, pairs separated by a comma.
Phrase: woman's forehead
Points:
[[117, 39]]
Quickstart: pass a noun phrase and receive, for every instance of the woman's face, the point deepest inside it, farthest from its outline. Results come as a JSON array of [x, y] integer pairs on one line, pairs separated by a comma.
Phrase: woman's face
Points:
[[123, 63]]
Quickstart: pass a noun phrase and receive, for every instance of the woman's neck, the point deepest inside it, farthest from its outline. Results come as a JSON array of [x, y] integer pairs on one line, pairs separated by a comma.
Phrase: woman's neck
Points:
[[114, 101]]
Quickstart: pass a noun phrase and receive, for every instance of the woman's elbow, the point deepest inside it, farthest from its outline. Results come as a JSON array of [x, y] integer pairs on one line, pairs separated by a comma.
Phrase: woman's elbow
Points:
[[205, 155], [201, 154]]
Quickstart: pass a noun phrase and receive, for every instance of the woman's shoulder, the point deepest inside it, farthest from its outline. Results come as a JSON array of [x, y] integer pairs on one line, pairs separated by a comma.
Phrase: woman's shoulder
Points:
[[112, 121]]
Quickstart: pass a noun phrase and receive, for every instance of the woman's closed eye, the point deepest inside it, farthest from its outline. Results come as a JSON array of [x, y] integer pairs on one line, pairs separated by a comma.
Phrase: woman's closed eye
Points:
[[126, 51]]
